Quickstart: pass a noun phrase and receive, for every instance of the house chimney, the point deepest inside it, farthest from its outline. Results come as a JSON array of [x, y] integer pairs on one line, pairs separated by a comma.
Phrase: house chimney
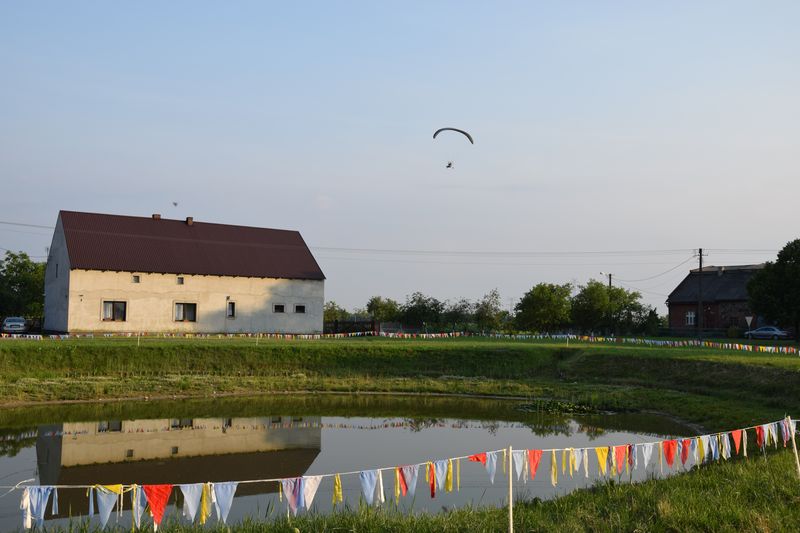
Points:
[[189, 221], [156, 216]]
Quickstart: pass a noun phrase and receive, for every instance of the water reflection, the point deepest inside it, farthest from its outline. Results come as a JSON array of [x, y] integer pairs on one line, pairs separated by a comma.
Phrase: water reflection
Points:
[[185, 450], [239, 439]]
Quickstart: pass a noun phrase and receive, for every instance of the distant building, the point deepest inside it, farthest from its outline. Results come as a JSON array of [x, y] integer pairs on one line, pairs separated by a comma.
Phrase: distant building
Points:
[[724, 295], [112, 273]]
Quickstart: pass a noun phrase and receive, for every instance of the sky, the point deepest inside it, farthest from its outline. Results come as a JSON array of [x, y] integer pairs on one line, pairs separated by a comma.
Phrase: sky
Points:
[[610, 136]]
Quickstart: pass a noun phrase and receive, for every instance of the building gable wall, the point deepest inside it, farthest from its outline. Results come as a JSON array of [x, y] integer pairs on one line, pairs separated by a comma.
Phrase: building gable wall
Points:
[[56, 283]]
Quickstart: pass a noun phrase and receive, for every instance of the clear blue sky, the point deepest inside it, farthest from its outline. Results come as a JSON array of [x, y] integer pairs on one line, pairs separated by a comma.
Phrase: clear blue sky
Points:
[[598, 126]]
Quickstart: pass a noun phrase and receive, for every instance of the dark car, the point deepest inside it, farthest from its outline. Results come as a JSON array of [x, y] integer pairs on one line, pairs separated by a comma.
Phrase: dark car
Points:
[[766, 332], [14, 324]]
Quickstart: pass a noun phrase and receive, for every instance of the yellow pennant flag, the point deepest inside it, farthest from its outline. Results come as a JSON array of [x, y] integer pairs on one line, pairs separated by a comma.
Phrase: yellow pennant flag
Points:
[[397, 484], [661, 456], [205, 502], [553, 469], [337, 490], [564, 461], [701, 452], [602, 459], [572, 463], [448, 480]]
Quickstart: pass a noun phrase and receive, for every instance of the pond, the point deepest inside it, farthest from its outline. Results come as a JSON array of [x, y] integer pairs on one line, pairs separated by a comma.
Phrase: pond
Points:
[[282, 437]]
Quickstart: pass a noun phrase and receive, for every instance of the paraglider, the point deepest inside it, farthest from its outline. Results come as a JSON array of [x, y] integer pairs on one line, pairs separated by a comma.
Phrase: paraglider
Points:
[[462, 132]]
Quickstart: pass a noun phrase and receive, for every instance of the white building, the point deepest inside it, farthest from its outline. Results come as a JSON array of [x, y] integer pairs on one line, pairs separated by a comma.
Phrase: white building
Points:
[[111, 273]]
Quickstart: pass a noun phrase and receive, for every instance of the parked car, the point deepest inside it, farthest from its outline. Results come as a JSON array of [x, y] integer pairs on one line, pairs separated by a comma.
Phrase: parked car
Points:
[[766, 332], [14, 324]]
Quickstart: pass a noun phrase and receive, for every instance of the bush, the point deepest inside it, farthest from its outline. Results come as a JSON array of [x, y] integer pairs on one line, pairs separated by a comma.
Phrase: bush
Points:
[[733, 332]]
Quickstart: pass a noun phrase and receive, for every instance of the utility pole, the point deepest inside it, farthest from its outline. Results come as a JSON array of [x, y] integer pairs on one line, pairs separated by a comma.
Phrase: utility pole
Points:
[[609, 279], [700, 296]]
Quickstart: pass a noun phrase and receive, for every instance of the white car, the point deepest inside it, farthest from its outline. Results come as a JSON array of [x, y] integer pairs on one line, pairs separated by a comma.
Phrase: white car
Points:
[[14, 324]]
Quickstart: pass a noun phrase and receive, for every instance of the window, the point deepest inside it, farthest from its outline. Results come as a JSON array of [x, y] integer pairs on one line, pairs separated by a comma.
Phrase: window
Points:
[[185, 312], [300, 309], [180, 423], [275, 420], [129, 454], [114, 311], [110, 425], [690, 318], [179, 280], [279, 308], [231, 312], [174, 450], [56, 269], [136, 278]]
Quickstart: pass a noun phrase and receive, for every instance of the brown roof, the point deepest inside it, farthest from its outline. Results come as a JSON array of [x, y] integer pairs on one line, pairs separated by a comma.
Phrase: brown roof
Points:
[[146, 244]]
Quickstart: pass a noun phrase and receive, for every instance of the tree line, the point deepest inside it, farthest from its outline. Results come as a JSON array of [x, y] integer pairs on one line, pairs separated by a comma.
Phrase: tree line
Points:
[[21, 286], [546, 308]]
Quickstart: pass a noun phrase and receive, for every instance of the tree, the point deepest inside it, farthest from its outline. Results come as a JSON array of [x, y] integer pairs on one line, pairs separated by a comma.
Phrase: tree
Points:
[[626, 314], [458, 314], [488, 314], [332, 311], [383, 309], [422, 311], [544, 308], [775, 290], [21, 285], [590, 306]]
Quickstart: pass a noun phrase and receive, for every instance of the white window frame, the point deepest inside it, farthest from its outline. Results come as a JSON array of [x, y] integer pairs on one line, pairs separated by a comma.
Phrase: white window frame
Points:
[[690, 318], [184, 319], [112, 301], [228, 315]]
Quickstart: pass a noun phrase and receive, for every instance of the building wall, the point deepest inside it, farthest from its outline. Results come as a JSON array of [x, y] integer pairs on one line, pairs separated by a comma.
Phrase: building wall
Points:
[[56, 283], [150, 304], [156, 439], [720, 315]]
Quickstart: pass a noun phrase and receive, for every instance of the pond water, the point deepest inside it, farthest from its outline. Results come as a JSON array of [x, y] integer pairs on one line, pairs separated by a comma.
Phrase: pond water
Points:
[[282, 437]]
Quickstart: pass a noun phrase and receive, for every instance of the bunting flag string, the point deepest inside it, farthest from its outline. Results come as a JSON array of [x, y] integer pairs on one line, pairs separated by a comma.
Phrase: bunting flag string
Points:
[[661, 343], [439, 474]]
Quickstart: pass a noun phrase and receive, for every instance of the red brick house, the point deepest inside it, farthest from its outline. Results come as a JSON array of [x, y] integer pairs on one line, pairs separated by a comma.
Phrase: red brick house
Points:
[[725, 299]]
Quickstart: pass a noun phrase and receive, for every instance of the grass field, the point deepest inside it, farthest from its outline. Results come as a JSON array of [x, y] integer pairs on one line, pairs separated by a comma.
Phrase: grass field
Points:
[[714, 389]]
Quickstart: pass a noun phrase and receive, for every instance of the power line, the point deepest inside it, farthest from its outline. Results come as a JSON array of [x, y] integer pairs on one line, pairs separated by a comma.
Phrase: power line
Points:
[[508, 263], [25, 225], [486, 253], [658, 275]]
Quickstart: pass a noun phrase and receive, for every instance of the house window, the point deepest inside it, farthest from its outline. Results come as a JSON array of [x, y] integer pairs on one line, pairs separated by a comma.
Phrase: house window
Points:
[[110, 425], [231, 311], [174, 450], [180, 423], [279, 308], [136, 278], [300, 309], [185, 312], [56, 269], [114, 311], [129, 454], [690, 318], [179, 280]]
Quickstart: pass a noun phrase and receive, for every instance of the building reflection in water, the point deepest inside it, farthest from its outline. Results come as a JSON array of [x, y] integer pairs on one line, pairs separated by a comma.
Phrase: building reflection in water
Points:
[[174, 451]]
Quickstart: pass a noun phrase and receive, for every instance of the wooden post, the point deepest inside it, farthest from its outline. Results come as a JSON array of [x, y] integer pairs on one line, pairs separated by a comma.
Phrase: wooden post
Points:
[[510, 490], [794, 445]]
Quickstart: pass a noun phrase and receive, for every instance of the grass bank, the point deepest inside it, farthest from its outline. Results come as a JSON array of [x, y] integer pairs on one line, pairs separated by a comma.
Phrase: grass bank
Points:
[[712, 388]]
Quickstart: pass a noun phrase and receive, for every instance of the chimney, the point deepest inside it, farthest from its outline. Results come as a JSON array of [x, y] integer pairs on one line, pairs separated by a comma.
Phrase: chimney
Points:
[[189, 221], [156, 216]]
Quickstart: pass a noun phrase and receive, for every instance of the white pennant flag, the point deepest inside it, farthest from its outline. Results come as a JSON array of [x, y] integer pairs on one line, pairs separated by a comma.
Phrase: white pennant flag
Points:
[[310, 486], [647, 453]]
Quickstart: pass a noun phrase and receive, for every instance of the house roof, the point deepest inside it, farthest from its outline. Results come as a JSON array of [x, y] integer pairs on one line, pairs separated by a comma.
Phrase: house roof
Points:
[[720, 284], [149, 244]]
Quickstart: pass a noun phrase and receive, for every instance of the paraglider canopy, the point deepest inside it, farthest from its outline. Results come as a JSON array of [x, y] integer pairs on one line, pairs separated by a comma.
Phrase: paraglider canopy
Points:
[[462, 132]]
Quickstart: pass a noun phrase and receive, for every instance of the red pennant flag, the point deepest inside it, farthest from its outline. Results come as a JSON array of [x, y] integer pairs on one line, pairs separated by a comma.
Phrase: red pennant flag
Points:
[[534, 456], [631, 453], [737, 439], [670, 447], [760, 436], [619, 453], [403, 483], [432, 479], [687, 444], [157, 498], [478, 458]]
